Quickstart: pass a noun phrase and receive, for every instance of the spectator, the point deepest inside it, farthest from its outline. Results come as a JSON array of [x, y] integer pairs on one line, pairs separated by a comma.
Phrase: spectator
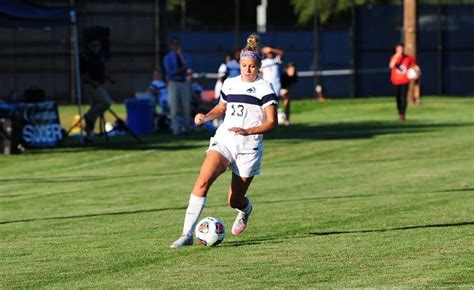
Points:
[[178, 69], [94, 76], [221, 76], [233, 66], [197, 103], [159, 91], [288, 78], [399, 64], [271, 67]]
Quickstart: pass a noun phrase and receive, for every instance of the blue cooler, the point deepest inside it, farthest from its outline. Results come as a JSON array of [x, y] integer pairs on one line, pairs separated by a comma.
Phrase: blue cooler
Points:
[[140, 115]]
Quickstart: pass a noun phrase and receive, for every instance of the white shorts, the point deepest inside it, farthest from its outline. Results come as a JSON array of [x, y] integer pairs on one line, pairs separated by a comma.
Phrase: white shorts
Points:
[[242, 164]]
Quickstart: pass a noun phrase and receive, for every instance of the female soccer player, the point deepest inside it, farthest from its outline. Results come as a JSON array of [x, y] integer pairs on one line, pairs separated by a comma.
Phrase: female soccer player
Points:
[[271, 66], [249, 104]]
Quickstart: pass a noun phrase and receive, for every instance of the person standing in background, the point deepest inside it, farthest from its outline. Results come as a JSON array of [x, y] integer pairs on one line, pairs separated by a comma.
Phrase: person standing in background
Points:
[[233, 66], [271, 67], [288, 78], [399, 64], [221, 76], [178, 70], [92, 67], [159, 91]]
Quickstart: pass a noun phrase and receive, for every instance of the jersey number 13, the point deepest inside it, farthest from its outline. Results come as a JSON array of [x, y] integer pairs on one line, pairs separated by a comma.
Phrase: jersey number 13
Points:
[[237, 110]]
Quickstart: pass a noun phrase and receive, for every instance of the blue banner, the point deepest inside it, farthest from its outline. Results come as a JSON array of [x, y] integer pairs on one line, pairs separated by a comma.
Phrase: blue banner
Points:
[[39, 124]]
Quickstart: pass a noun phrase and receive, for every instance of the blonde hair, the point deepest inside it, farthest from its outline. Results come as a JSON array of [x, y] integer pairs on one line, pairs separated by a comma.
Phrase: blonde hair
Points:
[[252, 43], [252, 49]]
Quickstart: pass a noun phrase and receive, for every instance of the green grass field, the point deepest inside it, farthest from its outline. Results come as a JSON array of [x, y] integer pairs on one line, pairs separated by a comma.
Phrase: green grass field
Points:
[[348, 197]]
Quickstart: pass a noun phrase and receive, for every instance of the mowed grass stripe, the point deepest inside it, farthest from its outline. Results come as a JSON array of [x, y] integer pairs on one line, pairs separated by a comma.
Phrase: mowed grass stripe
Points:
[[348, 197]]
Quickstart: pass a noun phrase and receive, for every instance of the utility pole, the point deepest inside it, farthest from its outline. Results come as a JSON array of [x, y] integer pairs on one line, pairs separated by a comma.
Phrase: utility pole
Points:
[[237, 24], [353, 44], [160, 34], [183, 15], [409, 26], [72, 62], [316, 54], [409, 36], [440, 49], [262, 17]]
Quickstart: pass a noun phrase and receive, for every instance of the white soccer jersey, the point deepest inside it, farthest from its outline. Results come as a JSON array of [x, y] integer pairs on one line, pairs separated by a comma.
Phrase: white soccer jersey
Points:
[[221, 71], [246, 102], [271, 72]]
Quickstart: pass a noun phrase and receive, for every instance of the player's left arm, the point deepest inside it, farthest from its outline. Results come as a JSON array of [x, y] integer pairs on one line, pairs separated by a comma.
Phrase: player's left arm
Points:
[[270, 123]]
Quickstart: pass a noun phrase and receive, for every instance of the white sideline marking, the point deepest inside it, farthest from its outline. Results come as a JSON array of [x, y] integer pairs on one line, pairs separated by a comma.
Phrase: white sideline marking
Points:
[[110, 159], [84, 165], [333, 72]]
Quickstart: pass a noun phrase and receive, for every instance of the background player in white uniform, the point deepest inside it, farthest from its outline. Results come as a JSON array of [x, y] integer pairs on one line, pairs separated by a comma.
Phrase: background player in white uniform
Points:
[[221, 76], [249, 104], [271, 67]]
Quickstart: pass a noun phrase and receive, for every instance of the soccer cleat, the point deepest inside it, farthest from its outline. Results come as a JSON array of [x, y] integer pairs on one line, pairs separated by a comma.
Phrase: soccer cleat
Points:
[[241, 221], [184, 240]]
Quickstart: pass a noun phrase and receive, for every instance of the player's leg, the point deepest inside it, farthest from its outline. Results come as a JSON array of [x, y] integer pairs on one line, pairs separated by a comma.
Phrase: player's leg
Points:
[[237, 199], [214, 165], [186, 95], [285, 99], [173, 104], [398, 98], [287, 109], [99, 103], [236, 195], [244, 168], [403, 102]]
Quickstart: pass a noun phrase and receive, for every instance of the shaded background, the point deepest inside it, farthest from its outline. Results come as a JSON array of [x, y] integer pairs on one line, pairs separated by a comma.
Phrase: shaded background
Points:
[[360, 39]]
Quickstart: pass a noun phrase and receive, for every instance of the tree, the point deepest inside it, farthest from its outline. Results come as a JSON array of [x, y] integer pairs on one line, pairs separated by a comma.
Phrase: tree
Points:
[[325, 8], [328, 8]]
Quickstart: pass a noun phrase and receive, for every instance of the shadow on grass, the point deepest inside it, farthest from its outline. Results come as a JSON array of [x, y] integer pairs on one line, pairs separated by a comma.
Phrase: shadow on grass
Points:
[[121, 144], [334, 131], [329, 233], [457, 189], [314, 198], [355, 130], [86, 178], [282, 239], [168, 209], [92, 215]]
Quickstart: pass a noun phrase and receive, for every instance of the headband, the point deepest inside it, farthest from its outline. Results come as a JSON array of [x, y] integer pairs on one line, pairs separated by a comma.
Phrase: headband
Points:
[[251, 54]]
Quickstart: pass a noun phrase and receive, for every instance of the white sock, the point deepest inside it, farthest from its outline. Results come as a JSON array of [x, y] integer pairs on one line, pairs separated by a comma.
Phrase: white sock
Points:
[[195, 207]]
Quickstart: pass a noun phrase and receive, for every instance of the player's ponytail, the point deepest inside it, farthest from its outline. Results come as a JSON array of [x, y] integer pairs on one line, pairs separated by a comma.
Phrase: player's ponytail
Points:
[[252, 43], [252, 48]]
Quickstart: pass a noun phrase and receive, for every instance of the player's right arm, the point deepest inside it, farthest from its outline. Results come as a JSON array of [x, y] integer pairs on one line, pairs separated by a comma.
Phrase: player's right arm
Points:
[[215, 113], [276, 51], [394, 60]]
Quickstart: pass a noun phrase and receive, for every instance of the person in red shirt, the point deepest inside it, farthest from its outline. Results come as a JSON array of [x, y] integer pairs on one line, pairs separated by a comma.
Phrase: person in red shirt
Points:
[[399, 65]]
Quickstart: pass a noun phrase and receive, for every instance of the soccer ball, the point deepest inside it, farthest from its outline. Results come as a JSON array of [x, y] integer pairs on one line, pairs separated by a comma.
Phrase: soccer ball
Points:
[[413, 74], [210, 231], [281, 117]]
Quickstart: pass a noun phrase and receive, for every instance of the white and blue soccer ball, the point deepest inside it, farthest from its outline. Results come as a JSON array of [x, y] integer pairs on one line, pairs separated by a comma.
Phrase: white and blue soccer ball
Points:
[[210, 231], [281, 116], [413, 74]]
